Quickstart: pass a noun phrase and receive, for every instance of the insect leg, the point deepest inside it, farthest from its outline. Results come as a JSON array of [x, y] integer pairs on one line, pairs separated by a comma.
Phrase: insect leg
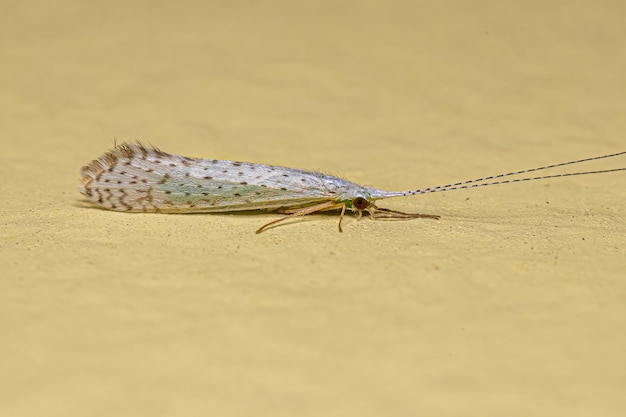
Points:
[[378, 213], [329, 205], [343, 211], [333, 207]]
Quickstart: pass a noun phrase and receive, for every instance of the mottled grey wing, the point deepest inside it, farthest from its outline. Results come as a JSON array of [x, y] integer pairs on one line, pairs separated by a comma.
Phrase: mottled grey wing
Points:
[[141, 179]]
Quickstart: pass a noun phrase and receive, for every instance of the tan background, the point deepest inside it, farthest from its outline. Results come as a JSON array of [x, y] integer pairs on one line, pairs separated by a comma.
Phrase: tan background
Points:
[[512, 304]]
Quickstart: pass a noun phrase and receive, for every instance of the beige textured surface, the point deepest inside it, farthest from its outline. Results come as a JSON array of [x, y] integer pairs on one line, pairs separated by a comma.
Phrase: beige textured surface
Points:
[[512, 305]]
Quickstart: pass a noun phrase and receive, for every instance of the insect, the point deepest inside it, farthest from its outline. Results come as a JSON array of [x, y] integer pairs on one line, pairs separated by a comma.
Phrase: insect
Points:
[[139, 178]]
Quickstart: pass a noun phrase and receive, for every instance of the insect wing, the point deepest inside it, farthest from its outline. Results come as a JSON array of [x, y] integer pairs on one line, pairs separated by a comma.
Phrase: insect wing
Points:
[[137, 178]]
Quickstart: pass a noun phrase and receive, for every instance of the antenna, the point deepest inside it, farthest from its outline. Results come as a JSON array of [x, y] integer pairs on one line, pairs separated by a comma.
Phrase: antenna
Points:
[[479, 182]]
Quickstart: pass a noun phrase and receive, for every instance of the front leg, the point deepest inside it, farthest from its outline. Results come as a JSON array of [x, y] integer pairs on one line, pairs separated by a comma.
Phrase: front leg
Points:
[[377, 213]]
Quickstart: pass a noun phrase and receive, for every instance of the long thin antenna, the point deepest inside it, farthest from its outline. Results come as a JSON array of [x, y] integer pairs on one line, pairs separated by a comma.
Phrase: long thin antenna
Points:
[[479, 182]]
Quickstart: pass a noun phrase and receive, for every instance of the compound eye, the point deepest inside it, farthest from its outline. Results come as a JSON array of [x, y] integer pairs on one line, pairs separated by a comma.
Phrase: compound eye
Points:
[[360, 203]]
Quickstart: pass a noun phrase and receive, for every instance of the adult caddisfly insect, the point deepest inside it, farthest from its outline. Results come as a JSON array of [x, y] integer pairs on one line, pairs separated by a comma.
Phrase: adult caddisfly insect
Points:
[[138, 178]]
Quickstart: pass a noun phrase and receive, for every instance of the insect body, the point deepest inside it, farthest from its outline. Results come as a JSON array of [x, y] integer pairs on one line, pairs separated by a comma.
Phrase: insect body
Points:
[[137, 178]]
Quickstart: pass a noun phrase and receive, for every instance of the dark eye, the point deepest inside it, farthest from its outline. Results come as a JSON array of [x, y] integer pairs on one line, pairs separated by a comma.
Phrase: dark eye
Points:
[[360, 203]]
